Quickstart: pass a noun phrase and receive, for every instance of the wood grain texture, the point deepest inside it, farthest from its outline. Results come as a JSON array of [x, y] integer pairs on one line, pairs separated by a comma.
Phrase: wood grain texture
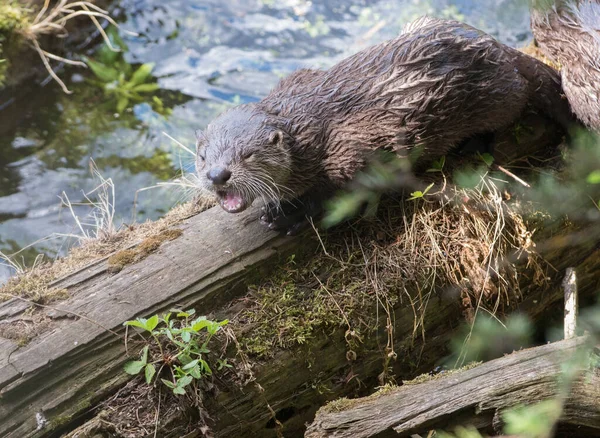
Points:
[[474, 396], [62, 368]]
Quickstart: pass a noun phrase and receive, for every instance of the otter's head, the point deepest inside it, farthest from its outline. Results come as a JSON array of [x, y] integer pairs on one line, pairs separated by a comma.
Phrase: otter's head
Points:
[[241, 157]]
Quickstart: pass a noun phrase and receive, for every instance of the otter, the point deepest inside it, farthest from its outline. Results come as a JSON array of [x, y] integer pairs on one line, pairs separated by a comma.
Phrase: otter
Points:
[[438, 83], [568, 32]]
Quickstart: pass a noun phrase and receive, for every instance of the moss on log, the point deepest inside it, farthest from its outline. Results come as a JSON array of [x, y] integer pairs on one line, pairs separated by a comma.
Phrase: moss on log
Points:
[[339, 314]]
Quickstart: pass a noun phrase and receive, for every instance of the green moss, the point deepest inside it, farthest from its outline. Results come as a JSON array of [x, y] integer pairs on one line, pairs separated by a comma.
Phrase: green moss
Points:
[[343, 403], [126, 257], [32, 286], [339, 405], [13, 20], [429, 377], [293, 306]]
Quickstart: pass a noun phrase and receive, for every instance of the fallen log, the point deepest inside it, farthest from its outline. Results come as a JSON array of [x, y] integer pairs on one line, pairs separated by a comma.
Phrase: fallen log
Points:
[[472, 397], [62, 379]]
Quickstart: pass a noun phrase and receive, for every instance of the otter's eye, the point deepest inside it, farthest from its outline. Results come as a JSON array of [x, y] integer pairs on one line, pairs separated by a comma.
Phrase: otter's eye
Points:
[[247, 155]]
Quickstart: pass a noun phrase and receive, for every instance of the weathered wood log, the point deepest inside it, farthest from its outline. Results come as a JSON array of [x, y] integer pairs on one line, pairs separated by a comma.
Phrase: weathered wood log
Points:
[[472, 397], [76, 362]]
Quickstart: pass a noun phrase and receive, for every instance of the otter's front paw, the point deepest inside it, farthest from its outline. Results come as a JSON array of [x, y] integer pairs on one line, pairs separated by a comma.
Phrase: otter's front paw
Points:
[[285, 217]]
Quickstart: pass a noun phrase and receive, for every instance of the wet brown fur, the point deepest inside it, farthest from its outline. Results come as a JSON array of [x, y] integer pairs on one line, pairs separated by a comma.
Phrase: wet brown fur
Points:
[[437, 83], [568, 32]]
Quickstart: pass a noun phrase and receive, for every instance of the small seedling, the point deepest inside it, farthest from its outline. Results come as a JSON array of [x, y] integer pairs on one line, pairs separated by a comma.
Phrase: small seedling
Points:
[[420, 194], [438, 165], [182, 345]]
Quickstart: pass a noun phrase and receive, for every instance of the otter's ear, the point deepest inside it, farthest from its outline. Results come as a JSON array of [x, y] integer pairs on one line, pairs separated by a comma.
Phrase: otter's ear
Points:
[[276, 138]]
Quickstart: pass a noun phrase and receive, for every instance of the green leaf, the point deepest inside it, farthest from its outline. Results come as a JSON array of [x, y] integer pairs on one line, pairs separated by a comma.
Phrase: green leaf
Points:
[[178, 390], [168, 383], [185, 359], [190, 365], [196, 373], [213, 327], [415, 195], [438, 165], [184, 381], [203, 349], [594, 177], [122, 104], [343, 207], [199, 324], [150, 371], [222, 363], [152, 323], [488, 159], [533, 420], [142, 73], [428, 188], [186, 336], [134, 367], [140, 322], [206, 368], [145, 354], [145, 88], [184, 313], [102, 72]]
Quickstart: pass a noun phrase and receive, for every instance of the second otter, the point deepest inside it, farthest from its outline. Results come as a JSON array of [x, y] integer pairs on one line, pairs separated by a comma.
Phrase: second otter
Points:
[[436, 84], [568, 32]]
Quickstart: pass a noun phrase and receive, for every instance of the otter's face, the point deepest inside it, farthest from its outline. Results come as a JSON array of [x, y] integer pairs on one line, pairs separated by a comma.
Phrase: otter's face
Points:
[[239, 157]]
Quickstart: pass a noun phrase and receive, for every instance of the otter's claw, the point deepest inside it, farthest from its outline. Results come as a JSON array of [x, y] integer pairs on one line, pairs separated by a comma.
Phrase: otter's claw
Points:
[[285, 217], [279, 221]]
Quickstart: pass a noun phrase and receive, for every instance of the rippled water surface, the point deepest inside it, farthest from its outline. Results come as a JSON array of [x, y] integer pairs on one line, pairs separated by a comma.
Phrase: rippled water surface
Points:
[[208, 55]]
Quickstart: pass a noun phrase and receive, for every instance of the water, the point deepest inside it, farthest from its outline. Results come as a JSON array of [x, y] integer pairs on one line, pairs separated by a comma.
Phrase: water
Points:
[[209, 54]]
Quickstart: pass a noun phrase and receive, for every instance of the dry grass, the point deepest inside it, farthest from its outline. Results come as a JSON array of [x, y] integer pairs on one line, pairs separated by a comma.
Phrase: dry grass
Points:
[[470, 244], [36, 283], [53, 21]]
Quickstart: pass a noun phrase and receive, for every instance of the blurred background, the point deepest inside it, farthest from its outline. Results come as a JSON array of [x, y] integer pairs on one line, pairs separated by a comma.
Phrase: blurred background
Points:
[[190, 60]]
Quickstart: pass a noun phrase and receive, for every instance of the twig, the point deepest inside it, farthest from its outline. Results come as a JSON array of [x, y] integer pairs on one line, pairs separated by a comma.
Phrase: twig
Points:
[[512, 175], [570, 287], [37, 47], [79, 315]]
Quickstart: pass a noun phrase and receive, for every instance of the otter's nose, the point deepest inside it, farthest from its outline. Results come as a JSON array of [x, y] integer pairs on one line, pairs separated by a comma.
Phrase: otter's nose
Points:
[[219, 175]]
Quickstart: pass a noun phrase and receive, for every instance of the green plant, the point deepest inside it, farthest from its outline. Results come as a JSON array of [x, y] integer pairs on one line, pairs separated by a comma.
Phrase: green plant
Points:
[[180, 345], [119, 80], [124, 85], [438, 165], [420, 194], [488, 159]]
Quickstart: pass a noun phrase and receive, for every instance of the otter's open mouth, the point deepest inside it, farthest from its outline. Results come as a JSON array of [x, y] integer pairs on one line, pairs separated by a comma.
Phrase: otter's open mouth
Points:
[[232, 202]]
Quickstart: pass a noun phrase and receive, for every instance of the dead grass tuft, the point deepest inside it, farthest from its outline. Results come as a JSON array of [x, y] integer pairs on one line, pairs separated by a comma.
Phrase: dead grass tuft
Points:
[[25, 328], [36, 283], [469, 244], [53, 21], [150, 244]]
